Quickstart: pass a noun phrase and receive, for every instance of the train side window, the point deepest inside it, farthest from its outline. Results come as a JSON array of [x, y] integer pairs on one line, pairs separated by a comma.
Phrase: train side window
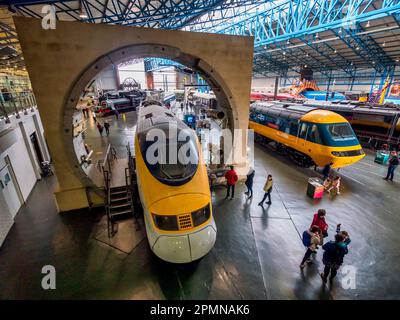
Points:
[[314, 135], [284, 125], [303, 131], [294, 128]]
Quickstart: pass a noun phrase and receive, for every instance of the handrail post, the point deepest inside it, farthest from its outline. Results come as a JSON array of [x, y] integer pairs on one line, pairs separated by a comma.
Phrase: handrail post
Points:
[[15, 106], [3, 108]]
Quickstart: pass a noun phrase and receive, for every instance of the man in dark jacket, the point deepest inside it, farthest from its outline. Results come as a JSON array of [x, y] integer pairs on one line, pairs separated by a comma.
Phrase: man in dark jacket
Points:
[[393, 163], [249, 183], [326, 170], [333, 257]]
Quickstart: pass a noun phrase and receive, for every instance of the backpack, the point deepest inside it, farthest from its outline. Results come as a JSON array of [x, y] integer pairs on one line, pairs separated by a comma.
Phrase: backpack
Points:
[[306, 239]]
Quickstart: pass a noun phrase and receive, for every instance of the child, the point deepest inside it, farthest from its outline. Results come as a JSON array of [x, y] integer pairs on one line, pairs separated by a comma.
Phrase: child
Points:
[[314, 240], [335, 185], [327, 183]]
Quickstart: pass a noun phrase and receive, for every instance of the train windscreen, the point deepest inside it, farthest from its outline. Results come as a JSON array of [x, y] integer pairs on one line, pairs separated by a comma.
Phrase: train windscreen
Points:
[[171, 155], [338, 134], [340, 131]]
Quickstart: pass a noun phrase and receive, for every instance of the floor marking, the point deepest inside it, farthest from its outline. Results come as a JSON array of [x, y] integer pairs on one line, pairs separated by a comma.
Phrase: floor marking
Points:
[[270, 217], [353, 179], [379, 175]]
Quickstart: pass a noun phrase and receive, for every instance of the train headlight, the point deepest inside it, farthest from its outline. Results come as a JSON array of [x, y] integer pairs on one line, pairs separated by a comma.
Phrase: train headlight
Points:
[[169, 223], [338, 153], [350, 153], [200, 216]]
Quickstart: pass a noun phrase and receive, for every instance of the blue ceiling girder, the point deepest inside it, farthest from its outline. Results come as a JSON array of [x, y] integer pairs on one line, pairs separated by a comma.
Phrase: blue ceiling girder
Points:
[[155, 64], [301, 19], [297, 18]]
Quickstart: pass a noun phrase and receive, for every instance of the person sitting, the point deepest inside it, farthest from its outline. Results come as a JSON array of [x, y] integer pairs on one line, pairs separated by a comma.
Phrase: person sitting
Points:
[[335, 185]]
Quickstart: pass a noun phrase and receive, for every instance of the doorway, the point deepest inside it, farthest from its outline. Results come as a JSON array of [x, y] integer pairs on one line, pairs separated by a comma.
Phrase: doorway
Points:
[[36, 147], [9, 190]]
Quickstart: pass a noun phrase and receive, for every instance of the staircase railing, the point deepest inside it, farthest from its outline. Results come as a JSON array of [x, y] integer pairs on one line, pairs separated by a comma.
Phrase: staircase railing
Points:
[[12, 103]]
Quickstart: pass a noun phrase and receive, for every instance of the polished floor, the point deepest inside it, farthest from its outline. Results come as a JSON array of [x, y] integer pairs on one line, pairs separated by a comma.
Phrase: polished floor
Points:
[[256, 256]]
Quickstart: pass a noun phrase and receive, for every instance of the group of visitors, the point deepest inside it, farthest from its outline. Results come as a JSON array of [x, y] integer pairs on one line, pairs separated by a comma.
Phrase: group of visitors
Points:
[[313, 238], [232, 177], [334, 251]]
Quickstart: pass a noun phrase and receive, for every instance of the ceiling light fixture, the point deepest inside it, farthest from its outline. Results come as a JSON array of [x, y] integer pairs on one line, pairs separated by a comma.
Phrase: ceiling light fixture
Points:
[[368, 24], [82, 14]]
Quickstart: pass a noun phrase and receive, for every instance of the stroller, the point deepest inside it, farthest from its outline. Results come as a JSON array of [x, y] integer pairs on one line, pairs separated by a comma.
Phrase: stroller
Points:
[[46, 169]]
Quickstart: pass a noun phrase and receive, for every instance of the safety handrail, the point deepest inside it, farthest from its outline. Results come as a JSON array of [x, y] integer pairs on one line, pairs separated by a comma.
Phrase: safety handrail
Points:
[[12, 103]]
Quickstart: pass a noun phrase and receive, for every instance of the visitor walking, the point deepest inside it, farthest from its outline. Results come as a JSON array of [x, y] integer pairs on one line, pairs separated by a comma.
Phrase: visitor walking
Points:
[[107, 127], [100, 128], [249, 183], [334, 252], [393, 163], [231, 179], [267, 190], [311, 240], [327, 170], [94, 116]]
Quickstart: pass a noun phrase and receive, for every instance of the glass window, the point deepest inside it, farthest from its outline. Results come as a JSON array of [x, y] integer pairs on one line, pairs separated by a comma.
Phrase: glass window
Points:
[[303, 131], [341, 131], [261, 118], [314, 135], [294, 128], [170, 160]]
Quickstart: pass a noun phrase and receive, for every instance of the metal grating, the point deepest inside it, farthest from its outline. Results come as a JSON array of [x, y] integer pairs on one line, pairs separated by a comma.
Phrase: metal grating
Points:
[[185, 221]]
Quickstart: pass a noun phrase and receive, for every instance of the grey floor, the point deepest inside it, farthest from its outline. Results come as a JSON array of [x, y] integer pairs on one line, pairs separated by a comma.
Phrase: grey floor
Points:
[[256, 256]]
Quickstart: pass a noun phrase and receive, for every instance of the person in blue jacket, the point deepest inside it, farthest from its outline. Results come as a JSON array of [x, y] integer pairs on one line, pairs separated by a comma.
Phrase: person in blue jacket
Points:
[[249, 183], [334, 252]]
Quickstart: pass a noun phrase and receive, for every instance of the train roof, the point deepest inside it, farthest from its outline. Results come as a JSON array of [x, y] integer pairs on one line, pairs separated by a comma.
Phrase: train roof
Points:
[[297, 112], [355, 107], [151, 116]]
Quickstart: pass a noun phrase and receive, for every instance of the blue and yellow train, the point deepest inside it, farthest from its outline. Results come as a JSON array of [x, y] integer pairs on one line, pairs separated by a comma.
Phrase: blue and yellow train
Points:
[[310, 136]]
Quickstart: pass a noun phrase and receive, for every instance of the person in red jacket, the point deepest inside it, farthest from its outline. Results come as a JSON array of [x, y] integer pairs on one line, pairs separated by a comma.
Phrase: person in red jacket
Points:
[[319, 220], [231, 179]]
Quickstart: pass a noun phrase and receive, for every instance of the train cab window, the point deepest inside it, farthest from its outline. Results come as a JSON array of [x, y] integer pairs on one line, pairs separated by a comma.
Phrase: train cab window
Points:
[[314, 134], [182, 166], [341, 131], [303, 131]]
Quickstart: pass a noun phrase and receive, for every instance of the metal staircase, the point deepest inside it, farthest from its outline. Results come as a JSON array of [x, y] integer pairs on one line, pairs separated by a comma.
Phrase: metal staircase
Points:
[[122, 202]]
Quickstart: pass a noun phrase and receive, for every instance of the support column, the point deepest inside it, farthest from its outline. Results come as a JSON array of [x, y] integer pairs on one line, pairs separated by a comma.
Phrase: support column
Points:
[[150, 80], [276, 87], [117, 79]]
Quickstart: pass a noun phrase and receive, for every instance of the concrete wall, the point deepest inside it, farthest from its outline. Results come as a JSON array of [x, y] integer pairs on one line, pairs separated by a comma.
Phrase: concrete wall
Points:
[[85, 49], [107, 79], [19, 151]]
